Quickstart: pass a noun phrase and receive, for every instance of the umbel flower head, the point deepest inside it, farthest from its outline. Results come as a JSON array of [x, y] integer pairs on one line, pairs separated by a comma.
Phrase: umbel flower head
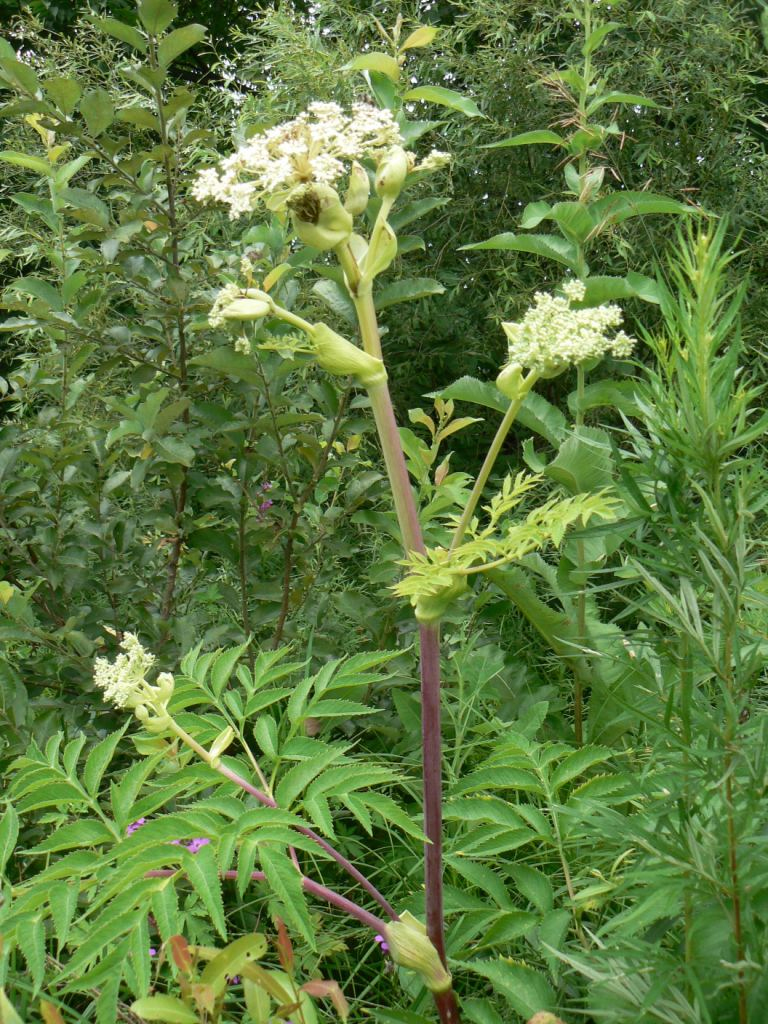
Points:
[[552, 335], [317, 147], [124, 682]]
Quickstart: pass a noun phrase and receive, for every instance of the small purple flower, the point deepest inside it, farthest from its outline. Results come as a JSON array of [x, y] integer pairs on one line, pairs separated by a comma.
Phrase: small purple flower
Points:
[[197, 844], [152, 951], [265, 505], [383, 943], [135, 826], [234, 980], [267, 486]]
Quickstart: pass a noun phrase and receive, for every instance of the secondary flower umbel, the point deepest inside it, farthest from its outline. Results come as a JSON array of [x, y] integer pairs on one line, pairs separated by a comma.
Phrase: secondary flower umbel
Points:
[[316, 147], [552, 335]]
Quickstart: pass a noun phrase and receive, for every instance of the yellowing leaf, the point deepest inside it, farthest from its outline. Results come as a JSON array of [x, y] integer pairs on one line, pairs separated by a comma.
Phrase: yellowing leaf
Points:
[[421, 36]]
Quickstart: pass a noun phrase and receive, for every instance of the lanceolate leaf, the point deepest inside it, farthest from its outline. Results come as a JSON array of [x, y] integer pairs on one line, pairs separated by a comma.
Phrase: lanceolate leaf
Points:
[[407, 290], [380, 62], [551, 246], [445, 98], [542, 137]]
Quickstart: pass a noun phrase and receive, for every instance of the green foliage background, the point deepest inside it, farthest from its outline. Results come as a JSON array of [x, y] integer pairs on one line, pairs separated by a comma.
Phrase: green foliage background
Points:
[[152, 480]]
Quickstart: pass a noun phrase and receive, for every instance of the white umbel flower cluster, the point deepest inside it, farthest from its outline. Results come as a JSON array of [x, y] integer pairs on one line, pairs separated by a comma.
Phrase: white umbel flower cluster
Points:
[[318, 146], [553, 335], [125, 685], [123, 680]]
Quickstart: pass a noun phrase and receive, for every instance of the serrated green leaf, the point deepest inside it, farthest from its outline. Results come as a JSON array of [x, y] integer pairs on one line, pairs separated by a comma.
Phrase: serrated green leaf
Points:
[[499, 778], [338, 708], [534, 885], [98, 759], [165, 909], [576, 764], [392, 813], [203, 874], [224, 665], [30, 935], [527, 991], [99, 939], [9, 833], [78, 833], [62, 897], [444, 98], [285, 882], [297, 778]]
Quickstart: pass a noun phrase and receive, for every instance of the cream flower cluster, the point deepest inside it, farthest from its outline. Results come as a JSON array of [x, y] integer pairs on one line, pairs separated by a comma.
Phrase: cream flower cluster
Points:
[[225, 297], [435, 160], [552, 335], [125, 685], [317, 146], [123, 680]]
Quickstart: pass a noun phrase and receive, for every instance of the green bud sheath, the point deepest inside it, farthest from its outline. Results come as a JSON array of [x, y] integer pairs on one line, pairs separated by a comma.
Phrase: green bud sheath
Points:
[[392, 172], [319, 219], [510, 380], [410, 947], [429, 609], [246, 309], [356, 199], [341, 358], [381, 251]]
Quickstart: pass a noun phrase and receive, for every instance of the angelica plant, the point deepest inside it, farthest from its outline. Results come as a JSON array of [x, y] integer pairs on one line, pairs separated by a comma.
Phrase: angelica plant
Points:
[[319, 174]]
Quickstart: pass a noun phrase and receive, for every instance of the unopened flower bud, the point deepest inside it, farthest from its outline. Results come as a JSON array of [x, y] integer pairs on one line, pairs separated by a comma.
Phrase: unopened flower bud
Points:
[[341, 358], [381, 251], [410, 947], [430, 608], [319, 219], [356, 199], [509, 381], [164, 686], [246, 309], [221, 743], [392, 172]]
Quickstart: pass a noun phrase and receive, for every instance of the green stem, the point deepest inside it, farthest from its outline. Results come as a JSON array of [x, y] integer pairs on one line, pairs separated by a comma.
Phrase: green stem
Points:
[[490, 458]]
